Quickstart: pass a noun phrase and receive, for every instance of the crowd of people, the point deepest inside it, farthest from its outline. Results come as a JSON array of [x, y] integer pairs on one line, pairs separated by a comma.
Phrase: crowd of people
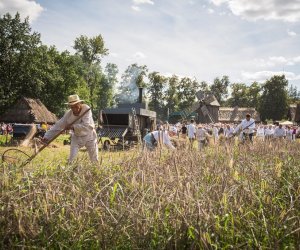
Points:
[[6, 128], [219, 133]]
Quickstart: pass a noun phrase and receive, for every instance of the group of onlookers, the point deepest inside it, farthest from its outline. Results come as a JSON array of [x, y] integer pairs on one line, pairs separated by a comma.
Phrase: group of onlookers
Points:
[[219, 133], [189, 130], [6, 128]]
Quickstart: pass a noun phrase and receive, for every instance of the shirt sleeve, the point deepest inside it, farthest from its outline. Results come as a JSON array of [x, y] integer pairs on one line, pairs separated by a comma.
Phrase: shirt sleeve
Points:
[[57, 127], [167, 141]]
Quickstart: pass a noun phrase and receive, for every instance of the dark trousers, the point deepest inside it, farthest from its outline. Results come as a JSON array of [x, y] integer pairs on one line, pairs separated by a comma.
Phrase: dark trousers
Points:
[[246, 136]]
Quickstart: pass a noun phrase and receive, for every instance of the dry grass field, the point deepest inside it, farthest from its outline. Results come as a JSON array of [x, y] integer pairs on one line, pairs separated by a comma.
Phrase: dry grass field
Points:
[[238, 197]]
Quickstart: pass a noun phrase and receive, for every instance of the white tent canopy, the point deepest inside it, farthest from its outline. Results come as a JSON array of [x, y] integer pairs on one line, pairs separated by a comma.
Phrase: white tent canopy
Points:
[[286, 123]]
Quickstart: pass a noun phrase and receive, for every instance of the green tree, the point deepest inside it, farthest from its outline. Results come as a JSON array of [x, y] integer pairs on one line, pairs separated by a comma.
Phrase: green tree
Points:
[[91, 50], [244, 96], [220, 88], [274, 99], [204, 87], [107, 85], [171, 94], [254, 95], [293, 94], [187, 92], [18, 49], [156, 86], [239, 95], [59, 75]]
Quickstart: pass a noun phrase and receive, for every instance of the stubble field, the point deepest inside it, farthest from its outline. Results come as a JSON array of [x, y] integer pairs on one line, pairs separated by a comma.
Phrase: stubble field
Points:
[[220, 198]]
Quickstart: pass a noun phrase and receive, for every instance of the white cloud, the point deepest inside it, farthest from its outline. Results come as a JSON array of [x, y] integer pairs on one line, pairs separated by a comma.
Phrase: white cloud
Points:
[[210, 11], [24, 7], [291, 33], [143, 2], [276, 61], [262, 76], [218, 2], [296, 59], [112, 54], [136, 8], [285, 10], [139, 55]]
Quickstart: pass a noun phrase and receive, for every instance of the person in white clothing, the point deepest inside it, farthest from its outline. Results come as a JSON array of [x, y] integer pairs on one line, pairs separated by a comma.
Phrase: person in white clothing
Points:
[[201, 136], [191, 131], [82, 131], [215, 133], [246, 127], [260, 133], [228, 131], [269, 132], [279, 132], [158, 138], [289, 134]]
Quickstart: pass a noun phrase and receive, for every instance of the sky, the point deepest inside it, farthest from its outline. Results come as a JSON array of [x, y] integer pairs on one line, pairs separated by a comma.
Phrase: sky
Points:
[[247, 40]]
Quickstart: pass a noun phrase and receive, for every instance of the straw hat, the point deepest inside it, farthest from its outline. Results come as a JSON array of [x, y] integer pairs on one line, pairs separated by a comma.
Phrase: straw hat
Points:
[[73, 99]]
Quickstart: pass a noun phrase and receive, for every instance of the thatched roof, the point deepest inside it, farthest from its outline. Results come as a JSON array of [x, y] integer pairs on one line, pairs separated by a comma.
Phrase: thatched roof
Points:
[[28, 110], [236, 114]]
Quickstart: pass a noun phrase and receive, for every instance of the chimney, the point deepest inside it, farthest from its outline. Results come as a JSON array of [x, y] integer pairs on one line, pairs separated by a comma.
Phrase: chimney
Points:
[[140, 100]]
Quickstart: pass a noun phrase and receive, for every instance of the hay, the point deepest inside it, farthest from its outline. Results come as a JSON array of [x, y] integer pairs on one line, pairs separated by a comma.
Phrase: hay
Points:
[[179, 143]]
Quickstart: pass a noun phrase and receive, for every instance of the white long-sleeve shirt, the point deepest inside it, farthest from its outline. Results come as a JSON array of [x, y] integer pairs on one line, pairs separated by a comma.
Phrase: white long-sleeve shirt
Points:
[[191, 130], [246, 126], [279, 132], [163, 137], [228, 132], [84, 127], [260, 132], [269, 131]]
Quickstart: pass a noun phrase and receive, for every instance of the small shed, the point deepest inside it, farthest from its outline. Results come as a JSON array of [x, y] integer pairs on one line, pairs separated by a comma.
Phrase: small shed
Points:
[[28, 110]]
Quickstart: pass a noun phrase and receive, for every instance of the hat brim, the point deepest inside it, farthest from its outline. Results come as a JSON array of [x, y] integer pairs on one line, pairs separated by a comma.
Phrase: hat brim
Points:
[[73, 103]]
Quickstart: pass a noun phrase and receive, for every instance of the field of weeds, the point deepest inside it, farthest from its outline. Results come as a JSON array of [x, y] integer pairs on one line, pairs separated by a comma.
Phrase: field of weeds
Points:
[[219, 198]]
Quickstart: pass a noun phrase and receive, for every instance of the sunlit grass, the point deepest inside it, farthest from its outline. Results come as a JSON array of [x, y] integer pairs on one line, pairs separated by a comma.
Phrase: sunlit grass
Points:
[[222, 197]]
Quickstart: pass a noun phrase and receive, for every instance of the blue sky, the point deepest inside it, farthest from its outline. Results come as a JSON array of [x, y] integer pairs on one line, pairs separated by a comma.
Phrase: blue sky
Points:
[[245, 39]]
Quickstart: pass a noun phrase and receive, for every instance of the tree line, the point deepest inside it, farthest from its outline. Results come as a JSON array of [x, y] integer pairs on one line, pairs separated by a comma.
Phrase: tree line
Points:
[[31, 69]]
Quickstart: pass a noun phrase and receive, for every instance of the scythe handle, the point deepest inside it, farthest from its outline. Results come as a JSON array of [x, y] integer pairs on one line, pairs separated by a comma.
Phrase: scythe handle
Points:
[[52, 139]]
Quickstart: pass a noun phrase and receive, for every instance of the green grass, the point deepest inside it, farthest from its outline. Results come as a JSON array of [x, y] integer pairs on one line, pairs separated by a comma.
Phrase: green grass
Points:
[[4, 139]]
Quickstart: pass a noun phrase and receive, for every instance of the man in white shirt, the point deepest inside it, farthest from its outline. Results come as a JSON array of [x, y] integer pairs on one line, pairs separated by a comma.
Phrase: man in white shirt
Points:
[[191, 131], [228, 131], [201, 136], [215, 133], [246, 127], [279, 132], [158, 138], [269, 132], [260, 133], [83, 130]]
